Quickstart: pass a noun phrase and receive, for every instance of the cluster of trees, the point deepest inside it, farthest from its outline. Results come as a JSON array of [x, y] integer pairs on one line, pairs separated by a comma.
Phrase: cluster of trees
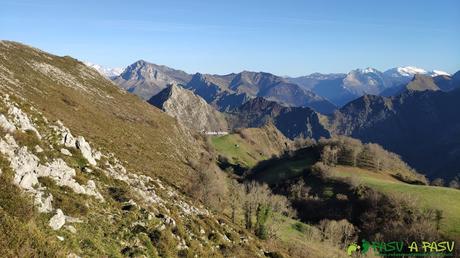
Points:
[[389, 217], [454, 183], [251, 204], [342, 150], [256, 203]]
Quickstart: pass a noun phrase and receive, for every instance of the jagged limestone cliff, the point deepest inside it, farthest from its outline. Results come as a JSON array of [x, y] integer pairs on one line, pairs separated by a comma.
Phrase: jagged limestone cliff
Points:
[[189, 109]]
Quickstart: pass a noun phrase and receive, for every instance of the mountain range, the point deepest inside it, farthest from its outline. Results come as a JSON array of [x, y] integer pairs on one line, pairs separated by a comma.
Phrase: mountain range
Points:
[[88, 169], [420, 123], [342, 88], [382, 107], [322, 92]]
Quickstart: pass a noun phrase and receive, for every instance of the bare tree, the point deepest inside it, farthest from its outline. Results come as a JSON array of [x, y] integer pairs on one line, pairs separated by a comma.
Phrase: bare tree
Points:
[[235, 198]]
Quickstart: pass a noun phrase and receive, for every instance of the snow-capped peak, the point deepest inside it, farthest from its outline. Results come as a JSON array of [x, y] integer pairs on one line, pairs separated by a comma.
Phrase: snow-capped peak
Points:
[[410, 71], [369, 70], [437, 73], [107, 72]]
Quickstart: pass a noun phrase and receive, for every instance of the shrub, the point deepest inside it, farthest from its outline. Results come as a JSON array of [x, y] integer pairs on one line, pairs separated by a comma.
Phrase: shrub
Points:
[[340, 233], [438, 182]]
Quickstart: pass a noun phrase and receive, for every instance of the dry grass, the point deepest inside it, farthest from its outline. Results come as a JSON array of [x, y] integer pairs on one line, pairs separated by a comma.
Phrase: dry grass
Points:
[[151, 142]]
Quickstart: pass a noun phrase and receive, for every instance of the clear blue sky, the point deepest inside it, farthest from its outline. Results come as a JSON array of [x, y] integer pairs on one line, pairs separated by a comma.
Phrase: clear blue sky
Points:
[[214, 36]]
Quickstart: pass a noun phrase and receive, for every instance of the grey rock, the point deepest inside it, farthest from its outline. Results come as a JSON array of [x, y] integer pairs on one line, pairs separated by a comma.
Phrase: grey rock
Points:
[[85, 149], [58, 220], [66, 152], [6, 124], [38, 149]]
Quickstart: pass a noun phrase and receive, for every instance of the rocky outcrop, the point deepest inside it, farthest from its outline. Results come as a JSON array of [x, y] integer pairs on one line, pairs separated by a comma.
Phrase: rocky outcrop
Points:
[[6, 125], [189, 109], [28, 168], [85, 149], [68, 140], [18, 119], [58, 220]]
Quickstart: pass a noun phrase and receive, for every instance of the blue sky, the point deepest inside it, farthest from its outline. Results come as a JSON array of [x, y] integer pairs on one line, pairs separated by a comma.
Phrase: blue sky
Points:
[[214, 36]]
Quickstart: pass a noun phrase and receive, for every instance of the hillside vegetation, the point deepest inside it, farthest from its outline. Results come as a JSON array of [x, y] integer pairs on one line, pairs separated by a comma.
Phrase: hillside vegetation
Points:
[[248, 146], [431, 197], [342, 179], [64, 89], [89, 170]]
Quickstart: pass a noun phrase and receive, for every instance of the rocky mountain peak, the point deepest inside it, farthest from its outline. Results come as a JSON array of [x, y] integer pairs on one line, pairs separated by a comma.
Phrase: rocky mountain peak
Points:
[[147, 79], [190, 110]]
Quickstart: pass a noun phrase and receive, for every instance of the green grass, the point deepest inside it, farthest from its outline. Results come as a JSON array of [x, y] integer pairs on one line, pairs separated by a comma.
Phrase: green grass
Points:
[[302, 240], [442, 198], [236, 150], [284, 170]]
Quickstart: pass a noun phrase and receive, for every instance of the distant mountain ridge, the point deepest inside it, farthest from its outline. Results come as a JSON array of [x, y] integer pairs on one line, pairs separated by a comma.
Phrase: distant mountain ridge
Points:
[[233, 90], [421, 126], [343, 88], [222, 91], [322, 92], [420, 123]]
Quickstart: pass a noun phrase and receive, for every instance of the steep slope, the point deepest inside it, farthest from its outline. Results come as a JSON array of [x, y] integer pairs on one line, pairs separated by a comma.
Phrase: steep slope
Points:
[[87, 169], [146, 79], [189, 109], [291, 121], [67, 90], [421, 126]]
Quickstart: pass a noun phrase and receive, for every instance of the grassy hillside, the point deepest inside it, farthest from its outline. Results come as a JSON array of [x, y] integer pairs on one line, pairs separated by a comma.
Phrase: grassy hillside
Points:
[[249, 146], [63, 88], [445, 199], [442, 198], [287, 169], [130, 203]]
